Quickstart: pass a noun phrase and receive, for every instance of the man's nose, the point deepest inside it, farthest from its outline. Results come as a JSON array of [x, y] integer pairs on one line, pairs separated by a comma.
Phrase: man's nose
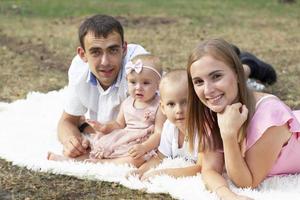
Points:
[[104, 59]]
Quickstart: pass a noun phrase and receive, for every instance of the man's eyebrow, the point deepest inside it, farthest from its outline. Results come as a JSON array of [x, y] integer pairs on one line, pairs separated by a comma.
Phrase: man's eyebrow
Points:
[[94, 48], [114, 46]]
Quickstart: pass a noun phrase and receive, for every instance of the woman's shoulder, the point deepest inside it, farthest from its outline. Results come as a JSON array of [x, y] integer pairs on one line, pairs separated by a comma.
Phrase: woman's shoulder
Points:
[[269, 106], [265, 97], [270, 111]]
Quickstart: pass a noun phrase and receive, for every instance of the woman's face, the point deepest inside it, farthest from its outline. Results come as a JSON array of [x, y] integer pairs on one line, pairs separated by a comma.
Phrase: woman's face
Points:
[[214, 82]]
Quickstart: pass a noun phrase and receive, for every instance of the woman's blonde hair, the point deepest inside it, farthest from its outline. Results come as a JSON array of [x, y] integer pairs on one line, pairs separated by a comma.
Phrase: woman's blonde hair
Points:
[[201, 120]]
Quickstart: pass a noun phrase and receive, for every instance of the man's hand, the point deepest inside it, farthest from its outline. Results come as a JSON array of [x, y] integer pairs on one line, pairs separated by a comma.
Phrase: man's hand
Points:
[[75, 146]]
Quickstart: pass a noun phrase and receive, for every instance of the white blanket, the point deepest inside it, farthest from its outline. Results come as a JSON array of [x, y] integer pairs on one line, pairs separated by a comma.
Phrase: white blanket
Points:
[[28, 132]]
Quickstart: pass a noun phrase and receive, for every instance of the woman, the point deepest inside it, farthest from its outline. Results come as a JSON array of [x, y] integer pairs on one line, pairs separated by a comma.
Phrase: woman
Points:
[[253, 134]]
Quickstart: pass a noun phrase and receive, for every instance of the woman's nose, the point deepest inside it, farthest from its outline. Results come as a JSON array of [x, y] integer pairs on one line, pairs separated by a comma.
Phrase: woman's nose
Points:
[[208, 88]]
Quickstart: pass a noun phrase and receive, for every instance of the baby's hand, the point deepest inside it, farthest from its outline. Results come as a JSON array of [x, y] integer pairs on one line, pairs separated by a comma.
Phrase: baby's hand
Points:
[[97, 126], [137, 151]]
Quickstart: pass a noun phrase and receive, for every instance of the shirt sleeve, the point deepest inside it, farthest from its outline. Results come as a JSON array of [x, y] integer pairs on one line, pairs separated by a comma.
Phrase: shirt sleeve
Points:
[[72, 103], [132, 51], [77, 72], [78, 69], [166, 138], [269, 113]]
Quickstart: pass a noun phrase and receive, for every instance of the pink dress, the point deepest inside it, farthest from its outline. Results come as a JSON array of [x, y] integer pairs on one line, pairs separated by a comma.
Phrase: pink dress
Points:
[[271, 111], [139, 126]]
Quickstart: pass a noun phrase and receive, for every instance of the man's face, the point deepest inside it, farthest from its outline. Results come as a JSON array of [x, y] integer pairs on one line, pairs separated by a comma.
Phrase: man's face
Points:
[[104, 56]]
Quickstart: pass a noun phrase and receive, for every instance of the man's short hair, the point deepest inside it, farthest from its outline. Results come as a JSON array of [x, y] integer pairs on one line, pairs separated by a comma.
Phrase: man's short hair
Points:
[[101, 26]]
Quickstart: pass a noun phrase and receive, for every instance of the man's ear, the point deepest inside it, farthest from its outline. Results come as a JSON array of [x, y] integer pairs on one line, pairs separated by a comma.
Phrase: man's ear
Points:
[[124, 48], [81, 53]]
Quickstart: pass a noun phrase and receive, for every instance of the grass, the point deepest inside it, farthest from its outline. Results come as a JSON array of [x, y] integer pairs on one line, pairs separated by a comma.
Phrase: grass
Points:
[[38, 40]]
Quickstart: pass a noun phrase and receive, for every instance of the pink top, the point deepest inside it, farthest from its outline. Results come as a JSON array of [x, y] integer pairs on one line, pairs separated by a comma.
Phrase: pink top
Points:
[[139, 126], [271, 111]]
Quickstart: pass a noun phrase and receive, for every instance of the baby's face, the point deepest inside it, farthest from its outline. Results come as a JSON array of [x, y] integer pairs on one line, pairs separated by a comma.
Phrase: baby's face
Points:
[[143, 86], [174, 104]]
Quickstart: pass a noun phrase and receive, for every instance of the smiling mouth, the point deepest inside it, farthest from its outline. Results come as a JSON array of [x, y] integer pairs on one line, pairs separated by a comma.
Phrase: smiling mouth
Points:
[[215, 100]]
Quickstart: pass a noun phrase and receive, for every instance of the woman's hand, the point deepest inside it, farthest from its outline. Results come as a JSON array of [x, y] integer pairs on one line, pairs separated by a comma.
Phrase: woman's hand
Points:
[[227, 194], [231, 120]]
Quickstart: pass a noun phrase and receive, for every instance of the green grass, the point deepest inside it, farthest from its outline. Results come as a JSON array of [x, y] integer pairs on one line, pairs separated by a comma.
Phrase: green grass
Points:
[[39, 38], [190, 8]]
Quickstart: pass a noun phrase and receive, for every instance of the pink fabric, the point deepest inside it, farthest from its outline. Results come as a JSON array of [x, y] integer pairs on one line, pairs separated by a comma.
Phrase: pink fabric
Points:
[[273, 112], [139, 126]]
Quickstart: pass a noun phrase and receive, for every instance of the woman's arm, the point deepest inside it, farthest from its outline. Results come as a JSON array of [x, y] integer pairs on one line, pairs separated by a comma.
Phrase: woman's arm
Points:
[[252, 170], [212, 167]]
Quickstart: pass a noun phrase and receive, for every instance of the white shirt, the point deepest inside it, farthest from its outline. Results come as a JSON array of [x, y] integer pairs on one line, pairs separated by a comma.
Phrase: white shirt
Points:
[[85, 94], [169, 144]]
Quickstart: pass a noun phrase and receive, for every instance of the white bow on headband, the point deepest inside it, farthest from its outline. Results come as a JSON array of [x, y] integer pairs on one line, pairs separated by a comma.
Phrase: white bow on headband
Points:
[[138, 67]]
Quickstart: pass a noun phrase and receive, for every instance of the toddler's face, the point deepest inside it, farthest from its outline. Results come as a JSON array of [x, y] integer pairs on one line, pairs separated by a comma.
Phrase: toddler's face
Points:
[[174, 104], [143, 86]]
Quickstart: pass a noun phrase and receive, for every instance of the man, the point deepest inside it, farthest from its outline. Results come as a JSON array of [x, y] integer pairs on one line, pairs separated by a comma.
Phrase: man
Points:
[[97, 82]]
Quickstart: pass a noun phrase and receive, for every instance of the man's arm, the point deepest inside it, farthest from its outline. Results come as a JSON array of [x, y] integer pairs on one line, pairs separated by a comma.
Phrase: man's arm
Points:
[[70, 137]]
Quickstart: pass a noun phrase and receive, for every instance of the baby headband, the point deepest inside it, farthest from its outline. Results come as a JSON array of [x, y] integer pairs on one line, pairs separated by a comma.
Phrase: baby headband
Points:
[[138, 66]]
